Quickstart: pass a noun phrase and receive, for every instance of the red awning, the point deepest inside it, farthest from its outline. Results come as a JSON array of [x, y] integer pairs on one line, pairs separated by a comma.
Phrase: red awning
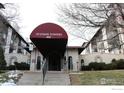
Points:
[[50, 31], [49, 37]]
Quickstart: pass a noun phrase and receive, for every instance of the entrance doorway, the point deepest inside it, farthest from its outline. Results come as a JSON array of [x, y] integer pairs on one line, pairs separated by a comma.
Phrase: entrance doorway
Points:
[[38, 63], [51, 40], [54, 62]]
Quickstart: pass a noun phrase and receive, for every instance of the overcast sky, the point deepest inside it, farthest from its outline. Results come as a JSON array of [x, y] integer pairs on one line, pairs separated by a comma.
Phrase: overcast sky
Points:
[[36, 12]]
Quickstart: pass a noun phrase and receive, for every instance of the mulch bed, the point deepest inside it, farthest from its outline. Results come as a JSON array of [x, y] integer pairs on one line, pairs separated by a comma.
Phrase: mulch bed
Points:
[[74, 79]]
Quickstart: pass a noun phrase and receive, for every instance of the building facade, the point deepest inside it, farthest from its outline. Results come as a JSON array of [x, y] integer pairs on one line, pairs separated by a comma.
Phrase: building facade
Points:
[[50, 42], [105, 45], [69, 62], [108, 41], [12, 43]]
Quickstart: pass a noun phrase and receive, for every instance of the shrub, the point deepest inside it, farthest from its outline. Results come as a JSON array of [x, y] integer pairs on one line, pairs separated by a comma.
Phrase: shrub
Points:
[[2, 71], [101, 66], [85, 68], [110, 66], [11, 67], [19, 66], [22, 66], [97, 66], [113, 61], [115, 64], [93, 65], [120, 64], [2, 60]]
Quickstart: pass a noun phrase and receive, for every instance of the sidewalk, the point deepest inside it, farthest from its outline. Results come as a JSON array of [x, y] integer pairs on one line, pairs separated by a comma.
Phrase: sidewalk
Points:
[[52, 78], [57, 78], [31, 78]]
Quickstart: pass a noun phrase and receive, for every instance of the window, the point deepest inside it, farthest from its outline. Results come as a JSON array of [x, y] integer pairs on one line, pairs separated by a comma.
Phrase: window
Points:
[[70, 63], [82, 62], [94, 46], [19, 47], [38, 62], [19, 50], [11, 49], [64, 58], [113, 38]]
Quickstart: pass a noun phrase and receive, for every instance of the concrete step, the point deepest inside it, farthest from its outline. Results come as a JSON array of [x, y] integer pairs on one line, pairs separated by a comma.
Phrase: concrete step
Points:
[[51, 78]]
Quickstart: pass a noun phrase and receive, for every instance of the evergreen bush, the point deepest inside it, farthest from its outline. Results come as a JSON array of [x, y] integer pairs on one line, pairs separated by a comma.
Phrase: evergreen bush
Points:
[[120, 64], [2, 60], [97, 66]]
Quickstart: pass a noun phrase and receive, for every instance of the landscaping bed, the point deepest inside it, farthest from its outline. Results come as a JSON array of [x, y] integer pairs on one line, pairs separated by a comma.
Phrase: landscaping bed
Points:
[[10, 78]]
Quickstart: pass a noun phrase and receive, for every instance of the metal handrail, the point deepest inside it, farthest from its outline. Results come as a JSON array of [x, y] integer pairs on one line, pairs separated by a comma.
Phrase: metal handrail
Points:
[[44, 70]]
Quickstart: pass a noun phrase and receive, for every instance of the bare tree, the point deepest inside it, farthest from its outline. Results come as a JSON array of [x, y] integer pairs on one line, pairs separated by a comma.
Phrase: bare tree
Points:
[[84, 15], [7, 20], [87, 17], [9, 13]]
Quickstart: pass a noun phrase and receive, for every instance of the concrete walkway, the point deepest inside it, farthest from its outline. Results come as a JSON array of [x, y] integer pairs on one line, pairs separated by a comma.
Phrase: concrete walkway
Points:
[[52, 78], [57, 78], [31, 78]]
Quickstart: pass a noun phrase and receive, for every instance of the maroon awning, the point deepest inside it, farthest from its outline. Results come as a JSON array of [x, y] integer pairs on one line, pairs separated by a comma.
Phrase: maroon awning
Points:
[[49, 30], [49, 37]]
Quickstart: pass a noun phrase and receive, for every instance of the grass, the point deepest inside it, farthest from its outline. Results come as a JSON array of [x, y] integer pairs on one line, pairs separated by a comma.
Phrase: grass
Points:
[[110, 77]]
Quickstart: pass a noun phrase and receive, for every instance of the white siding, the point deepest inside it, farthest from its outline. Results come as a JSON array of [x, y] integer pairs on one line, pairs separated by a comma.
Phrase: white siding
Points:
[[7, 47], [20, 58], [34, 54], [75, 57], [105, 57]]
